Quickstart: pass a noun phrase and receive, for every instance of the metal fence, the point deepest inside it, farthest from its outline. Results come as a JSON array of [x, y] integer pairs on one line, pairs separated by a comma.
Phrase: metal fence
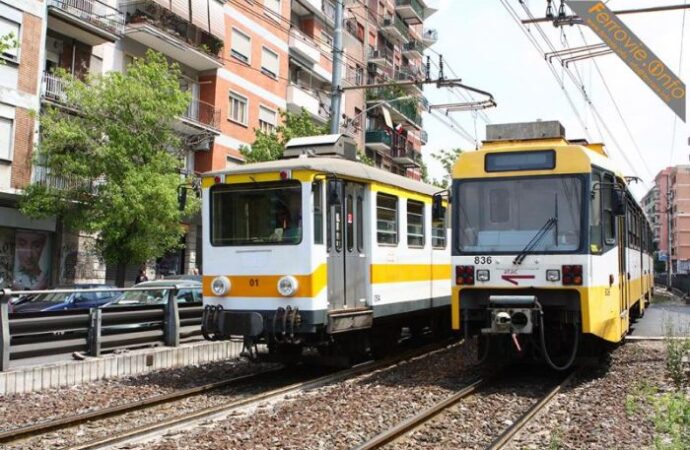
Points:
[[96, 330]]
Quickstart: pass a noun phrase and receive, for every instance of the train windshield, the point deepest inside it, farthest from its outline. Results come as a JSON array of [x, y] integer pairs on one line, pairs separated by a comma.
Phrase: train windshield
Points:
[[256, 214], [504, 216]]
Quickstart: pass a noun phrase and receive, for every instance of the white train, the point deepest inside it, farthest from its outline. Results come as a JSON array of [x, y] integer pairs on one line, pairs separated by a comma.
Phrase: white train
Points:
[[322, 252]]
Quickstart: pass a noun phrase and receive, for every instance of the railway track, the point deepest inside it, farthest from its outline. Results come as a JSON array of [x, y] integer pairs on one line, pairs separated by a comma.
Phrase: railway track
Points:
[[403, 429], [191, 419]]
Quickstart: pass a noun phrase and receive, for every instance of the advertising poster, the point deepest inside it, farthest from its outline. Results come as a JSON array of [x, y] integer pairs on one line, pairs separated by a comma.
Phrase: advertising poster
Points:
[[32, 260], [6, 257]]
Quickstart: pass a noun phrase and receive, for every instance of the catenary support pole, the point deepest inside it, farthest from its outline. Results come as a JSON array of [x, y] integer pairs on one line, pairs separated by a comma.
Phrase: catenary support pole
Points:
[[336, 80], [4, 331]]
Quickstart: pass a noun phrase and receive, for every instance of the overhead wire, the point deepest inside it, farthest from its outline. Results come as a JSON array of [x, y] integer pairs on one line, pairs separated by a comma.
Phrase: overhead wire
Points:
[[680, 74]]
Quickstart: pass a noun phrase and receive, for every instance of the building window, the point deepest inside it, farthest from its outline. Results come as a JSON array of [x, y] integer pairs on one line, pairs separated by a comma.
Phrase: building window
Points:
[[359, 75], [5, 139], [415, 224], [269, 62], [238, 108], [268, 119], [273, 7], [241, 46], [7, 27], [386, 219]]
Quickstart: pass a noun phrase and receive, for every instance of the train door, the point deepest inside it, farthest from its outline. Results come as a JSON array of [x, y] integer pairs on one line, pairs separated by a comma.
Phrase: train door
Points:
[[623, 281], [347, 267]]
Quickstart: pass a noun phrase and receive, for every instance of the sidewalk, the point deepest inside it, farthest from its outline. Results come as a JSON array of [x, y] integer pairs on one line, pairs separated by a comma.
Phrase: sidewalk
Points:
[[52, 374]]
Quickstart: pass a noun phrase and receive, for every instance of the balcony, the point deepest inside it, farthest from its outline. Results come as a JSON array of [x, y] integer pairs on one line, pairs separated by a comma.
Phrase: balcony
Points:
[[53, 89], [43, 177], [200, 117], [429, 37], [411, 11], [88, 21], [157, 28], [423, 137], [299, 97], [378, 140], [323, 9], [382, 57], [404, 155], [413, 50], [395, 30], [303, 47], [405, 110]]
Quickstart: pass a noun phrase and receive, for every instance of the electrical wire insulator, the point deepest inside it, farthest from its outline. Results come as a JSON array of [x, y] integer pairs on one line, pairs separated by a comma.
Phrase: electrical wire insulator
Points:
[[428, 68], [549, 10], [561, 10], [440, 67]]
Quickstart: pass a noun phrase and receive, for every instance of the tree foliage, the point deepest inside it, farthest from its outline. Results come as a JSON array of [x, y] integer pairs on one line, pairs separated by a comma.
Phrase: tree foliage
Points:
[[447, 159], [7, 42], [269, 146], [113, 164]]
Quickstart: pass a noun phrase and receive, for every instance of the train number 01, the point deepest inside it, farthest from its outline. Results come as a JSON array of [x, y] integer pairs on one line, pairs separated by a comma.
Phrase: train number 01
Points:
[[482, 259], [254, 282]]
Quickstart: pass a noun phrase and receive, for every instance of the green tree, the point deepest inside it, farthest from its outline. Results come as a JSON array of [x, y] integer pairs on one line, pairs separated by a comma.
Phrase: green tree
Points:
[[7, 42], [447, 159], [269, 146], [114, 166]]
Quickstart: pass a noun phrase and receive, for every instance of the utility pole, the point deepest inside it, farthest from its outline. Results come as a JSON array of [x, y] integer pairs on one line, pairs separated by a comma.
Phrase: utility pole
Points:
[[669, 217], [337, 79]]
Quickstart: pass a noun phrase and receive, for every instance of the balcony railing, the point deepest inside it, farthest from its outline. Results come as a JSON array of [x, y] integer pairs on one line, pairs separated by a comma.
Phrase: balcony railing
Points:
[[408, 108], [414, 47], [43, 177], [380, 54], [53, 88], [203, 113], [414, 4], [378, 137], [429, 37], [404, 154], [394, 23], [424, 136], [94, 12]]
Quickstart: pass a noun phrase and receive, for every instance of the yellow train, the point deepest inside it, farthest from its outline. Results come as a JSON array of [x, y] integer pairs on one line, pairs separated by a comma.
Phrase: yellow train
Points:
[[551, 254], [318, 251]]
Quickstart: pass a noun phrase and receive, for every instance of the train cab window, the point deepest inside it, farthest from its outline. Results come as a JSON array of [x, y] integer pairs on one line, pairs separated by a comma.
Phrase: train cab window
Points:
[[386, 219], [609, 220], [595, 231], [499, 208], [317, 194], [415, 224], [256, 214]]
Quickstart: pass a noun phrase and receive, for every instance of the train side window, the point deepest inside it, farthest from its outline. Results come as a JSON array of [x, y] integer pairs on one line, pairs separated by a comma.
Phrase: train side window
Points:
[[415, 224], [595, 231], [349, 214], [609, 219], [438, 233], [317, 194], [360, 224], [386, 219]]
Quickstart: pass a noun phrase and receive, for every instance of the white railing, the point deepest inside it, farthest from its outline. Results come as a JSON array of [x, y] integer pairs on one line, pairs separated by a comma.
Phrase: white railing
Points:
[[94, 12], [203, 113], [304, 45], [53, 88]]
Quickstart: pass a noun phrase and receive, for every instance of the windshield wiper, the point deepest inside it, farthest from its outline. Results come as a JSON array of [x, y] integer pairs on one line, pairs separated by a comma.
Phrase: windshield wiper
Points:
[[550, 223]]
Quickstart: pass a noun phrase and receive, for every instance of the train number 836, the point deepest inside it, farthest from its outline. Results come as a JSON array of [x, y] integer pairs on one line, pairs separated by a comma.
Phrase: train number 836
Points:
[[482, 259]]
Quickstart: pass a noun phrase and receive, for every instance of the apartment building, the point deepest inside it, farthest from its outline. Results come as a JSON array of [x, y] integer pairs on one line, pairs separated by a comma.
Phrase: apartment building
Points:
[[395, 44], [670, 199]]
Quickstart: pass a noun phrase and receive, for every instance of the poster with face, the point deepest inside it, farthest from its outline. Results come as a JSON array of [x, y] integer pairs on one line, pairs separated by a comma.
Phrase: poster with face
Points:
[[31, 260], [6, 257]]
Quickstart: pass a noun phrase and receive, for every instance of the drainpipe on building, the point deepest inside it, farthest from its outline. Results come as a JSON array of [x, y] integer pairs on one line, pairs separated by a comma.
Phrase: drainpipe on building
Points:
[[669, 217]]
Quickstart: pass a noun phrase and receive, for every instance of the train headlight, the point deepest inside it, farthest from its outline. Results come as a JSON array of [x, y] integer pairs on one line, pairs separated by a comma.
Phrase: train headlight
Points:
[[287, 286], [553, 275], [220, 286], [483, 275]]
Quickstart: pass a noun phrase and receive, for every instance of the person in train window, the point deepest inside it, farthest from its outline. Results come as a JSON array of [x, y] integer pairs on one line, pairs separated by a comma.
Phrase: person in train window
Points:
[[288, 221]]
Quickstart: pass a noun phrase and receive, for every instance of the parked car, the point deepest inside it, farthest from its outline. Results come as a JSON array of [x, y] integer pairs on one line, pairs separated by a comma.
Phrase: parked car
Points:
[[190, 292], [55, 301]]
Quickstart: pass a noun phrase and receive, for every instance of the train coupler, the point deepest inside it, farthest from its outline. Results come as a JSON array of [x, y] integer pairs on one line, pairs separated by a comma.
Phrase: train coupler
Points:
[[512, 314]]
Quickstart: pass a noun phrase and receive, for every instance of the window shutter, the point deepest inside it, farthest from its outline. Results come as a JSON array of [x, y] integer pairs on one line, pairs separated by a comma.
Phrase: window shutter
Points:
[[266, 115], [180, 7], [7, 27], [5, 138], [269, 61], [241, 45], [273, 6], [217, 20], [200, 14]]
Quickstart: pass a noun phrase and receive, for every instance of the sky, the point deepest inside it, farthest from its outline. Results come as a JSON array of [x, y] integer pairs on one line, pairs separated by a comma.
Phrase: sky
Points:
[[485, 47]]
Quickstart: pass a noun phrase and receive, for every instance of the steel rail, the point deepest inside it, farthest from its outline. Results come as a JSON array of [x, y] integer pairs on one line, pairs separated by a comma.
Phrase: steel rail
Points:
[[22, 433], [508, 434], [189, 419], [412, 423]]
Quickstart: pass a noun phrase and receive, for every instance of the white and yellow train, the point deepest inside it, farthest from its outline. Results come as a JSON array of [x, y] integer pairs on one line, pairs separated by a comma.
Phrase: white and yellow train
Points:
[[318, 251], [550, 252]]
